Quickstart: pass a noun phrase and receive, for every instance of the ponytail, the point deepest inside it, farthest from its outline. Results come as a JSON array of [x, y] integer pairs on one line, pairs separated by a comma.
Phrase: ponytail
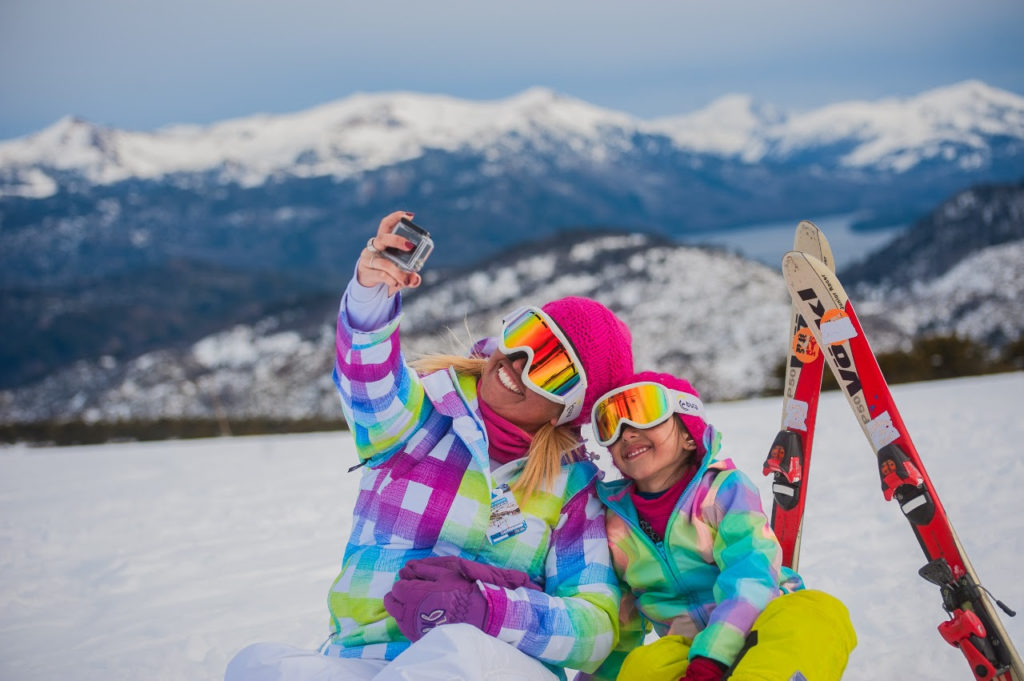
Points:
[[470, 366], [550, 445]]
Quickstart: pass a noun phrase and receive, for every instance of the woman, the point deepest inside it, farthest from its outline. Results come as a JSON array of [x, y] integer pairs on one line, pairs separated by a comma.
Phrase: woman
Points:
[[477, 508], [696, 555]]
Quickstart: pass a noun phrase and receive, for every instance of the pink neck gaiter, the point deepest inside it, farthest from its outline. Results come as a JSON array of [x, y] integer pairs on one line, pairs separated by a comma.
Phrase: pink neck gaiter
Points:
[[505, 440], [653, 510]]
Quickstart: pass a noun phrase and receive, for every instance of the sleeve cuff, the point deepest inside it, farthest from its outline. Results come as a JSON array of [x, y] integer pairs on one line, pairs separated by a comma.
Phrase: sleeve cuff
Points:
[[497, 604], [368, 307]]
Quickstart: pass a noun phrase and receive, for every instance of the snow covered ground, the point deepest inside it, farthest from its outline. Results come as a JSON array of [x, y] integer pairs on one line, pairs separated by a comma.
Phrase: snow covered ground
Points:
[[160, 560]]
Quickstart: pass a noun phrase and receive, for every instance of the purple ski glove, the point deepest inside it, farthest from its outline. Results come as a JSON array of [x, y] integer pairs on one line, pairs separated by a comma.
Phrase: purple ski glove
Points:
[[435, 567], [419, 605]]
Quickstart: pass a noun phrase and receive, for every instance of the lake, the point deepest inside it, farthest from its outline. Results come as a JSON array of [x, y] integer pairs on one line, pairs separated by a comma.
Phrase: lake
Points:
[[767, 242]]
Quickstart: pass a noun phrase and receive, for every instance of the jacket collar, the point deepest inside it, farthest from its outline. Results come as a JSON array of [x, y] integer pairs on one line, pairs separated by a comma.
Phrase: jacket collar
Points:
[[454, 395]]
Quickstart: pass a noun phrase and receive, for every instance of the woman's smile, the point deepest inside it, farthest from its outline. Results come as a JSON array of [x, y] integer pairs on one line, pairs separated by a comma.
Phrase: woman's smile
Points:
[[503, 390], [507, 379]]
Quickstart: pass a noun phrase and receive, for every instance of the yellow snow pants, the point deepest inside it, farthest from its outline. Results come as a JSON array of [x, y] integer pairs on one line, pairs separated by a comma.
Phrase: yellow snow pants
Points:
[[802, 636]]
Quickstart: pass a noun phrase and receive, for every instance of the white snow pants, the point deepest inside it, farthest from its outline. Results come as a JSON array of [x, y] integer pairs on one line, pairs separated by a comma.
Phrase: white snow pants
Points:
[[454, 652]]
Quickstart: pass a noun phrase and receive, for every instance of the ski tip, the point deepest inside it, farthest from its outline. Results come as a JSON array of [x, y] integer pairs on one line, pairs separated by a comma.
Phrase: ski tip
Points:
[[810, 239], [793, 260], [807, 227], [798, 258], [802, 269]]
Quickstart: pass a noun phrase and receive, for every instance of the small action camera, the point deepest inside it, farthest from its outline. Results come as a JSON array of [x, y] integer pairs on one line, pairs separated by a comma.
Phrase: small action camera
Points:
[[411, 261]]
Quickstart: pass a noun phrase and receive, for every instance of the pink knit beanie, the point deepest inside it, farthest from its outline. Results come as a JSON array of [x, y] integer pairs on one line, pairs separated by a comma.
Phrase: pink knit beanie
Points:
[[601, 340], [695, 425]]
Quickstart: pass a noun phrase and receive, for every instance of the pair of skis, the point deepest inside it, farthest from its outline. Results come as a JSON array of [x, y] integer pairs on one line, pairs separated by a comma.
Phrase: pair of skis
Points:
[[825, 329]]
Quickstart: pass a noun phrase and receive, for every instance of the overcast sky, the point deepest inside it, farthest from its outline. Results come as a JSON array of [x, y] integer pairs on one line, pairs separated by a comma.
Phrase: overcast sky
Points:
[[142, 64]]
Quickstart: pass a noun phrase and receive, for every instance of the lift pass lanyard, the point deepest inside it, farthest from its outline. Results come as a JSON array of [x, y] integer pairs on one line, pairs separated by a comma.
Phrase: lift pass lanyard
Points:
[[506, 518]]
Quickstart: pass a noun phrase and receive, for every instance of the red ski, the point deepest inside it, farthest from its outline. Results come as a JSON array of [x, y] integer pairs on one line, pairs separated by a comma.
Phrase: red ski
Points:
[[789, 458], [974, 625]]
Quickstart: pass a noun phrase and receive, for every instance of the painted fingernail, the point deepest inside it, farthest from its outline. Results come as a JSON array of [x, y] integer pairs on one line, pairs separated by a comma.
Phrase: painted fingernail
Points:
[[409, 245]]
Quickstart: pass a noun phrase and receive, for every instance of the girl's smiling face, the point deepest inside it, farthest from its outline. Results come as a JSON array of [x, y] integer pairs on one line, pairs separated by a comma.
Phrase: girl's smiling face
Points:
[[655, 458]]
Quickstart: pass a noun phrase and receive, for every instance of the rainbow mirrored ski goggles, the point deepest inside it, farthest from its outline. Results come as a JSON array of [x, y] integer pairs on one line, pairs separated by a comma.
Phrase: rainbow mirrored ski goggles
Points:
[[552, 368], [641, 405]]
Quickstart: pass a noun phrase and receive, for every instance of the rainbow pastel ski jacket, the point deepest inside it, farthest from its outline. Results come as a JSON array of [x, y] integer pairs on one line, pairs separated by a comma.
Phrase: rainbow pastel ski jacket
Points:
[[426, 490], [716, 570]]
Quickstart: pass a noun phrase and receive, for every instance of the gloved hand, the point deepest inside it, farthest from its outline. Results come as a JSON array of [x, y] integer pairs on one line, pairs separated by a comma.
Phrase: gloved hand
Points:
[[434, 567], [703, 669], [419, 605], [442, 590]]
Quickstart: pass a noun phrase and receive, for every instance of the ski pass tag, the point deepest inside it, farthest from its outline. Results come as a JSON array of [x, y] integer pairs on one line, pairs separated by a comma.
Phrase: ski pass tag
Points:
[[506, 518]]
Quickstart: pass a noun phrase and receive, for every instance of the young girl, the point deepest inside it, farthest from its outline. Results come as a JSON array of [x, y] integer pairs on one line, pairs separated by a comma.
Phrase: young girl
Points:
[[478, 546], [695, 553]]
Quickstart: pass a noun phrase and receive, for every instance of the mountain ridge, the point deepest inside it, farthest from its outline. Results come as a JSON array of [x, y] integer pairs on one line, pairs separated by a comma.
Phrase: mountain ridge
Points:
[[365, 132], [705, 313], [971, 220]]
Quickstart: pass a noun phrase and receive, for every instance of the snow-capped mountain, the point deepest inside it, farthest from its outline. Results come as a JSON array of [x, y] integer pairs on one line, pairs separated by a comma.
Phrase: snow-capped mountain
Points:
[[734, 125], [710, 315], [340, 139], [291, 192], [119, 244], [953, 123], [365, 132]]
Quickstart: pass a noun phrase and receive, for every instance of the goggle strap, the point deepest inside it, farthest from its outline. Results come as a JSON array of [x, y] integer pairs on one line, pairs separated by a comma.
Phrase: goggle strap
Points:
[[686, 403]]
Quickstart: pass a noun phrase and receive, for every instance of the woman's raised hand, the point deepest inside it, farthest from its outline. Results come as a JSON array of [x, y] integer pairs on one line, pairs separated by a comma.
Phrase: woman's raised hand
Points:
[[374, 269]]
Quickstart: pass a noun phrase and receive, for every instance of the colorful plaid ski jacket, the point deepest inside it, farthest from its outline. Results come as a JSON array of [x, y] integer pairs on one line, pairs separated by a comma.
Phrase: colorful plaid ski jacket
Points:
[[716, 570], [426, 490]]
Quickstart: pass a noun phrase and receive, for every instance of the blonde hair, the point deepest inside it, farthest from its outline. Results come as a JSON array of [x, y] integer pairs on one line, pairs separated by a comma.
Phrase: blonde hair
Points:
[[468, 366], [548, 446]]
